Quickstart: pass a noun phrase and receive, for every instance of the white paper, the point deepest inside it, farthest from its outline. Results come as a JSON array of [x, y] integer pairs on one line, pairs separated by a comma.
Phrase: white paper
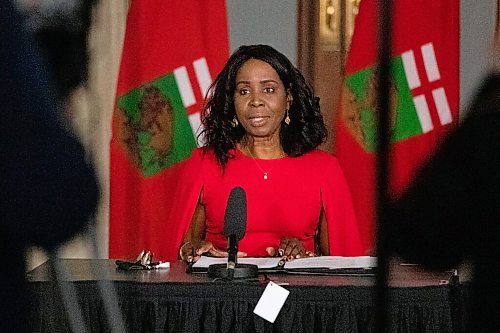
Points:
[[271, 302], [165, 264], [265, 262], [331, 262]]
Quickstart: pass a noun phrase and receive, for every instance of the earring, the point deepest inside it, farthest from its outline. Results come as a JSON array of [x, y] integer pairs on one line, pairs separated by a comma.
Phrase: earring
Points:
[[287, 118], [234, 122]]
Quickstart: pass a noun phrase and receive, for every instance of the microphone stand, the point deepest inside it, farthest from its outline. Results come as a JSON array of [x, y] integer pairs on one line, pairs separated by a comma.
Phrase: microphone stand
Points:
[[232, 251], [233, 270]]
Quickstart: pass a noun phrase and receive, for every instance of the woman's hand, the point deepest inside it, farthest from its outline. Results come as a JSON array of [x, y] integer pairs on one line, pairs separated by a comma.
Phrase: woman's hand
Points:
[[192, 251], [290, 248]]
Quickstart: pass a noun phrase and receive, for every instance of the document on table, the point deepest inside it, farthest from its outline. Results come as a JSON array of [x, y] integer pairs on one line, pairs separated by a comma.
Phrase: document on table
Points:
[[326, 262]]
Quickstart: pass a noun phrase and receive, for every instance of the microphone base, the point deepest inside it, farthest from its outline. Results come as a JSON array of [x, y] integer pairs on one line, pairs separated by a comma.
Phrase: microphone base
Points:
[[241, 271]]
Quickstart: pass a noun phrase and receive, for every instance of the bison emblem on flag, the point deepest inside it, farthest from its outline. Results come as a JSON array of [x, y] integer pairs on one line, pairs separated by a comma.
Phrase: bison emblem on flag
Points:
[[153, 126], [409, 98]]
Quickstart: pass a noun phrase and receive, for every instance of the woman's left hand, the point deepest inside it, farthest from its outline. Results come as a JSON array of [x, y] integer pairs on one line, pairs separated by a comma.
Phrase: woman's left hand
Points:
[[290, 248]]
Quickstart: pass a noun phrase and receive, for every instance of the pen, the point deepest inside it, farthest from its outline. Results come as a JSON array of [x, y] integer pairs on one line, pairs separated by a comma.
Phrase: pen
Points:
[[282, 262], [279, 253]]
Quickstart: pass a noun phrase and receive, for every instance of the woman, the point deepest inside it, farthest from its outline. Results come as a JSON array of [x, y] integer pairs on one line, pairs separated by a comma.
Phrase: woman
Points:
[[262, 125]]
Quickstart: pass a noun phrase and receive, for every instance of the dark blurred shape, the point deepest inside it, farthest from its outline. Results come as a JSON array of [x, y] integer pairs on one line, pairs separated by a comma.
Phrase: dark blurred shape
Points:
[[451, 211], [48, 190], [61, 29]]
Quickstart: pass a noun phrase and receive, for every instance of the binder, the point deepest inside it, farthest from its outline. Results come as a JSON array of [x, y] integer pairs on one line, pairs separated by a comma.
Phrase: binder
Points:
[[321, 265]]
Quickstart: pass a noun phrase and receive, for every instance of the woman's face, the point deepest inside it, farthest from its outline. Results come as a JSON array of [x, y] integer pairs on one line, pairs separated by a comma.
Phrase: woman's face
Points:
[[260, 99]]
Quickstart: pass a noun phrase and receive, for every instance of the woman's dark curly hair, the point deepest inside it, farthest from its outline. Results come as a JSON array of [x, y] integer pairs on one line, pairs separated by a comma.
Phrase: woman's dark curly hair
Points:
[[306, 130]]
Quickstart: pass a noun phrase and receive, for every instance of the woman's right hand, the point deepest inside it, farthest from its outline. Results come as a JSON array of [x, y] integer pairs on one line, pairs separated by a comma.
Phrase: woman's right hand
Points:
[[289, 249], [191, 251]]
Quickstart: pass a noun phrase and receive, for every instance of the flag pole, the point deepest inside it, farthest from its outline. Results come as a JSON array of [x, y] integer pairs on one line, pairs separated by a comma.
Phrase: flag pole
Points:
[[382, 159]]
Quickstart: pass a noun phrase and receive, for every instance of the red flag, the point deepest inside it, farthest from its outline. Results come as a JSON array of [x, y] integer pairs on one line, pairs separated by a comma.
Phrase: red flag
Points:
[[172, 51], [424, 94]]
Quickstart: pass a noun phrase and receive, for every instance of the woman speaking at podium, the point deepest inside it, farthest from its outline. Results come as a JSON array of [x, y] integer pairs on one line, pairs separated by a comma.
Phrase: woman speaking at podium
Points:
[[262, 127]]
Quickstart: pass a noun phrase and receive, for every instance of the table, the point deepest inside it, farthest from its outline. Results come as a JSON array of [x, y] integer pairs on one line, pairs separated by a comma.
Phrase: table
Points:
[[170, 300]]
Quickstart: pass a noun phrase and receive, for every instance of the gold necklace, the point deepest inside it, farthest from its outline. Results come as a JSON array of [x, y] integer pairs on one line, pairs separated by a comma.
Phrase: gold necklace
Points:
[[266, 173]]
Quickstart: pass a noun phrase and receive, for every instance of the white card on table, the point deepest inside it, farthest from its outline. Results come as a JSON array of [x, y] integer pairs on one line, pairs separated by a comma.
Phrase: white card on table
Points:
[[271, 302]]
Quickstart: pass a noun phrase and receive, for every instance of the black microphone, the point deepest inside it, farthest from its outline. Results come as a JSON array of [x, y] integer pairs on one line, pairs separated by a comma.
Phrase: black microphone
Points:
[[235, 224]]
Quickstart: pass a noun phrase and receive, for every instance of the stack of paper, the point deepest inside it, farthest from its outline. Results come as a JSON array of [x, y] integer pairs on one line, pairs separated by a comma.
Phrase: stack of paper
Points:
[[327, 262]]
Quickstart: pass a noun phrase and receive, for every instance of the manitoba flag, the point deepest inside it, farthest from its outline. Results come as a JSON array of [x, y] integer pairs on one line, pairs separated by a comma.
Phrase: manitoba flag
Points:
[[172, 50], [424, 97]]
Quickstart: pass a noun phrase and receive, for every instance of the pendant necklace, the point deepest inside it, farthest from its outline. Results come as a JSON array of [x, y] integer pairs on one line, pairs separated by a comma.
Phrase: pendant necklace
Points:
[[258, 165]]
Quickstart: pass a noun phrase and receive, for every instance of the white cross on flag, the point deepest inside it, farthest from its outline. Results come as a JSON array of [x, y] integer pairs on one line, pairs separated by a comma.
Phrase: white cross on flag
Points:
[[424, 97]]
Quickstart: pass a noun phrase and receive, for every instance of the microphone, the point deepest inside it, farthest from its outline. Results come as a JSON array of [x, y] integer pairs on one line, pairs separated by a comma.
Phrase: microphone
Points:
[[235, 224]]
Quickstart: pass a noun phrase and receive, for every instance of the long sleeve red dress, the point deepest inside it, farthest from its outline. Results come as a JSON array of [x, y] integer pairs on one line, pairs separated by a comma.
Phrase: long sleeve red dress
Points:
[[284, 199]]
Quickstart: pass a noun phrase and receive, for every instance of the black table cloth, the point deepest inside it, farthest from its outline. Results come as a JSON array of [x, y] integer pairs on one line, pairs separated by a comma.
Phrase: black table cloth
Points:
[[170, 300]]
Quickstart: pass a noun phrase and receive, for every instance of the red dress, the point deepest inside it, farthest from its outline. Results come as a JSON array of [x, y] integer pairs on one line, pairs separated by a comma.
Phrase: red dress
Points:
[[286, 204]]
